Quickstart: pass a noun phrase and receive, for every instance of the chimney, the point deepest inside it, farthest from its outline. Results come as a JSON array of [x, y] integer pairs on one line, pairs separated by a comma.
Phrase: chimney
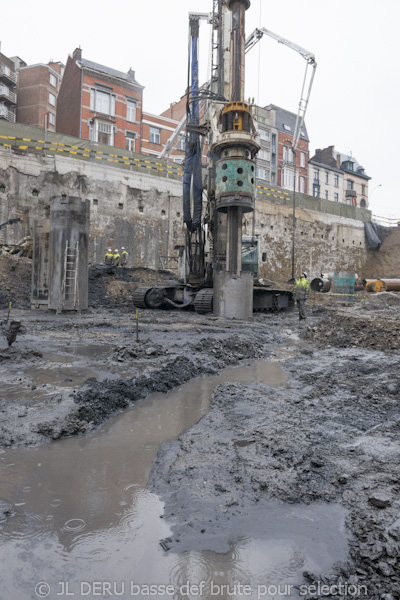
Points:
[[131, 73], [77, 55]]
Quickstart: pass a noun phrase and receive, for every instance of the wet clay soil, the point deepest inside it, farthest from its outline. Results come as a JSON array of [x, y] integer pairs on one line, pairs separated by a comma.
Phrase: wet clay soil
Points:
[[328, 434]]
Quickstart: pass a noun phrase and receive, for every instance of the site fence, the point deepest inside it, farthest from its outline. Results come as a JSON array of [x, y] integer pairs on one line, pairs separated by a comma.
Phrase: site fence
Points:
[[386, 221], [24, 140]]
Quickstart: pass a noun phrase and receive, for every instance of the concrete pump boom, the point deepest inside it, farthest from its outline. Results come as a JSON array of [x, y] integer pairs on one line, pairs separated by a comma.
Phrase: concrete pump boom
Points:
[[308, 56]]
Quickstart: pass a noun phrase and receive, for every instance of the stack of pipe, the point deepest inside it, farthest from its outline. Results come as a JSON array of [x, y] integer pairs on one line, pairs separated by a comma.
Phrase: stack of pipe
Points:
[[323, 284]]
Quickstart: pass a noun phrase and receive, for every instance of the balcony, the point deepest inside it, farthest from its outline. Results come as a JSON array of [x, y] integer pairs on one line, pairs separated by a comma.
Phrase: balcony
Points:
[[6, 114], [6, 95], [7, 75]]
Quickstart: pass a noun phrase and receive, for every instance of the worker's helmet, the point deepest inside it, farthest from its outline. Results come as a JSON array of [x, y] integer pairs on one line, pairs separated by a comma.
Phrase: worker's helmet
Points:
[[116, 249], [123, 248], [109, 250], [305, 275]]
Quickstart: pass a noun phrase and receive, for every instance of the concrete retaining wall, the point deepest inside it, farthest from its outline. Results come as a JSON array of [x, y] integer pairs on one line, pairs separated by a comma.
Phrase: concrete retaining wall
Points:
[[144, 213]]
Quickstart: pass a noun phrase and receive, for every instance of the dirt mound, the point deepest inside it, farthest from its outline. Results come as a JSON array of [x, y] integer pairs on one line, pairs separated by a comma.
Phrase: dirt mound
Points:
[[384, 262], [15, 281], [362, 329]]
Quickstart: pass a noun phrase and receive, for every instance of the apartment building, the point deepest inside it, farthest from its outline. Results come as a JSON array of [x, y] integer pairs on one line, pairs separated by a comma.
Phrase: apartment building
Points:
[[292, 167], [266, 159], [101, 104], [8, 83], [339, 177], [37, 91]]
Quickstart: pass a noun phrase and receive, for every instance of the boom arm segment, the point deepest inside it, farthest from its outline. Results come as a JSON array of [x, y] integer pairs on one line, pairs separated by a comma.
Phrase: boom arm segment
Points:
[[258, 33], [308, 56]]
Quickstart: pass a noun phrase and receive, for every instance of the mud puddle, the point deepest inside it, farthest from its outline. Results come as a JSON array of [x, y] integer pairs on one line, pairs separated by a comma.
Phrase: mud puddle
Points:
[[84, 524]]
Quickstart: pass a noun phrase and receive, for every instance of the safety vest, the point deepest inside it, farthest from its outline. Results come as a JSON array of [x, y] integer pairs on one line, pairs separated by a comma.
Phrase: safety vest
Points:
[[108, 258], [302, 288]]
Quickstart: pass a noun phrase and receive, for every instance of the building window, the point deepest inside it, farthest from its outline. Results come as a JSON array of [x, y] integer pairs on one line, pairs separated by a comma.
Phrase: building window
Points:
[[131, 111], [349, 184], [336, 180], [264, 135], [316, 174], [102, 102], [104, 133], [263, 154], [302, 159], [288, 178], [181, 145], [326, 177], [326, 194], [363, 203], [288, 155], [130, 141], [273, 142], [155, 135], [336, 197], [286, 127], [52, 119], [262, 173], [363, 189], [302, 185], [53, 80], [52, 99]]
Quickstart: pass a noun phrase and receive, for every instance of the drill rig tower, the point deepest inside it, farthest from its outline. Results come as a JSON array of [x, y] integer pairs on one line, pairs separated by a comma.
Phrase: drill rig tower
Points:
[[236, 144]]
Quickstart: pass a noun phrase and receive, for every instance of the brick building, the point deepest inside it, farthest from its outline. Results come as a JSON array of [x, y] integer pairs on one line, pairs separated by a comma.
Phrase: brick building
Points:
[[156, 131], [37, 91], [338, 177], [100, 104], [8, 83], [285, 122]]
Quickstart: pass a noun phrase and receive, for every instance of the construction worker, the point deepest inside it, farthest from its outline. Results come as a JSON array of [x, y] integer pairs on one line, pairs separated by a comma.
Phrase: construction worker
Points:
[[301, 292], [108, 258], [124, 257], [116, 258]]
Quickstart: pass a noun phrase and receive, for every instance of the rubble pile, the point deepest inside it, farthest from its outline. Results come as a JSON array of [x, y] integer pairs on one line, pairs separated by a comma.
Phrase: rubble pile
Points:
[[377, 329], [15, 281]]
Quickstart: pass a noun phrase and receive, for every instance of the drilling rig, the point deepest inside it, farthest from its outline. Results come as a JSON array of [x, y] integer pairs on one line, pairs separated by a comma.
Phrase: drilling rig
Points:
[[211, 275]]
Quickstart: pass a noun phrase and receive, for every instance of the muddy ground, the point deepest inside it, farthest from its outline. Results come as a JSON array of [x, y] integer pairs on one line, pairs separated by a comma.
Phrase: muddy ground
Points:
[[330, 434]]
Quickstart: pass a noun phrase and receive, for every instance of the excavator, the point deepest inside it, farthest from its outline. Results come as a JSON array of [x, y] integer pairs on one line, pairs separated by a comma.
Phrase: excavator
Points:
[[220, 124]]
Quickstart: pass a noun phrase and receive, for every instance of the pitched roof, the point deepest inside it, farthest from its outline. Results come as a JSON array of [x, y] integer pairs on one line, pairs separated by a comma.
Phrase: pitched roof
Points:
[[93, 66], [358, 169], [286, 121]]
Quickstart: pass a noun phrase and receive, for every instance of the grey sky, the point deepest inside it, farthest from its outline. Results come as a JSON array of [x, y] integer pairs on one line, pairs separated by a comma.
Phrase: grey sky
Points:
[[356, 94]]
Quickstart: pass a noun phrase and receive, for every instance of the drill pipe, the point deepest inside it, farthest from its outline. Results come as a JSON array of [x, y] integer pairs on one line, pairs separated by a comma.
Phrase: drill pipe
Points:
[[374, 285]]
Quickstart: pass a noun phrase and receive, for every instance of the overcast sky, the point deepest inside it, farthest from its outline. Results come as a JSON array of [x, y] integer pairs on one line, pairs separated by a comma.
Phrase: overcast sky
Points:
[[355, 99]]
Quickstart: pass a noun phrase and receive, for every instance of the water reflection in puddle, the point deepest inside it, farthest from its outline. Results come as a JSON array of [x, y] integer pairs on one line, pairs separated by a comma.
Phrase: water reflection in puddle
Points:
[[84, 516]]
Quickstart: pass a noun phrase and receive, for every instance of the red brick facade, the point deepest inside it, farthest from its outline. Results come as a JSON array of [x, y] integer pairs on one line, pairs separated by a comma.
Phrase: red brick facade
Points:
[[37, 91], [285, 141], [156, 131], [100, 104]]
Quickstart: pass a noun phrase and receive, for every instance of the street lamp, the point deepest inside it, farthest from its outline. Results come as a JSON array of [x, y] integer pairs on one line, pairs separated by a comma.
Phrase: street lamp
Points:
[[292, 280], [375, 188]]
